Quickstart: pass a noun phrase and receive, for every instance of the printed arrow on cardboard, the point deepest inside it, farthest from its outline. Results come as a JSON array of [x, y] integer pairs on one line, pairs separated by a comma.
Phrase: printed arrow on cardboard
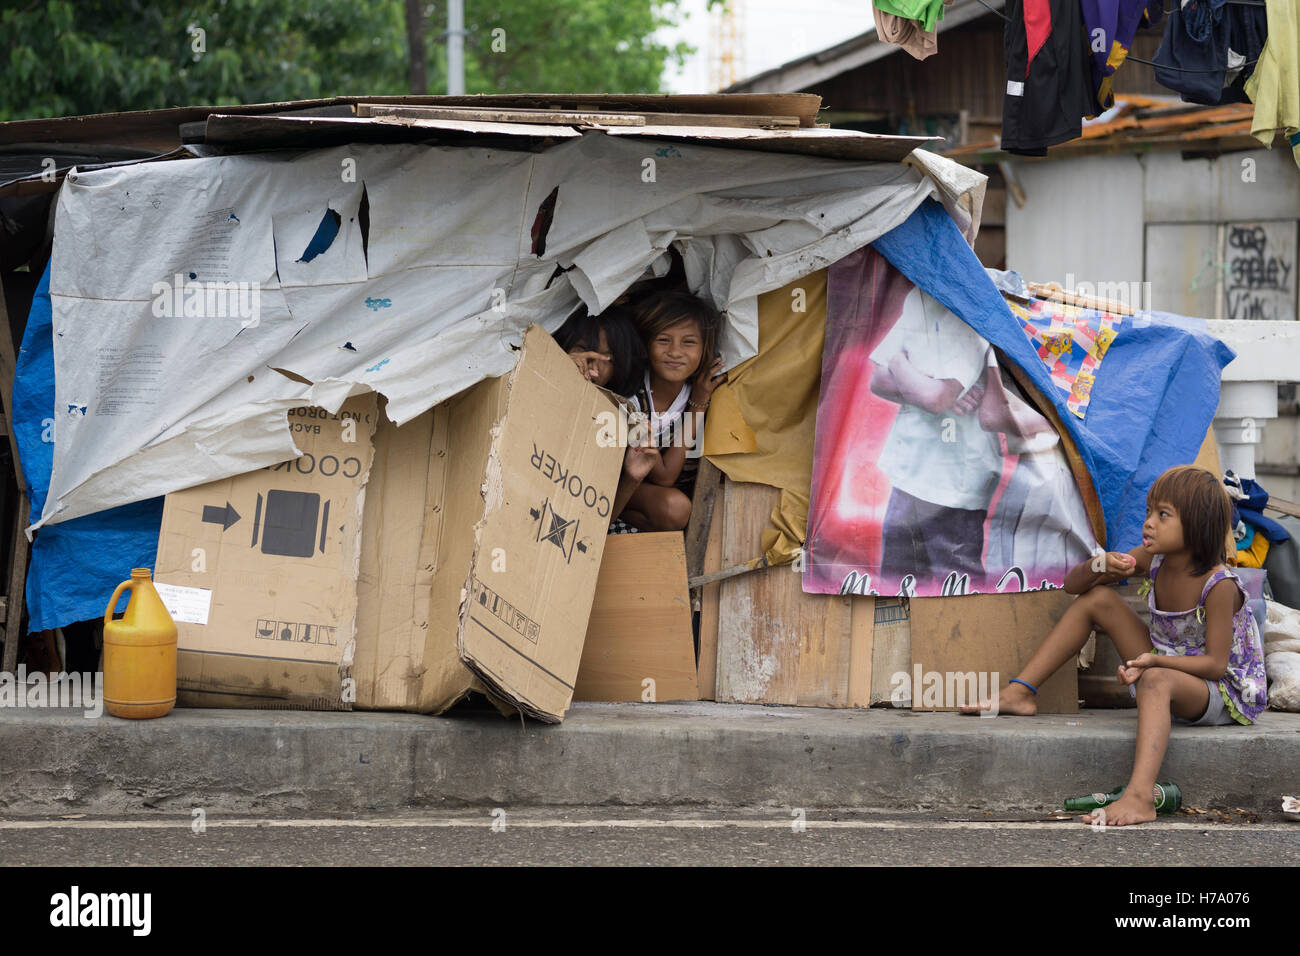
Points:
[[212, 514]]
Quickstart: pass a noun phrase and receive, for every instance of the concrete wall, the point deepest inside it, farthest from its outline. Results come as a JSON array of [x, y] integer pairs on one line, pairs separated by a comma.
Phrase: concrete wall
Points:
[[1089, 216], [1110, 223], [1081, 217]]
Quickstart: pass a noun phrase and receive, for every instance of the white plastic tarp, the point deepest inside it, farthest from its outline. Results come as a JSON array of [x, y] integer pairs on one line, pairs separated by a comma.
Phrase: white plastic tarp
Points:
[[162, 383]]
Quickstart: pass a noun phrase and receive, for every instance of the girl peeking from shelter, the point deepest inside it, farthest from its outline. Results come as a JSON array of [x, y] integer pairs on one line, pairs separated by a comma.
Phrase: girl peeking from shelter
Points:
[[1200, 662], [608, 351], [607, 348], [679, 332]]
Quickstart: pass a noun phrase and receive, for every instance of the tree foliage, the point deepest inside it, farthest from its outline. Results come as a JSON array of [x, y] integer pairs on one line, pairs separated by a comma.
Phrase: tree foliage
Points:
[[63, 58]]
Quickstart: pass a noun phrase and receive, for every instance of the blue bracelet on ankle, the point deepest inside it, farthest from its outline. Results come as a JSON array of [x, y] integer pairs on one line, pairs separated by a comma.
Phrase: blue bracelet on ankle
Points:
[[1017, 680]]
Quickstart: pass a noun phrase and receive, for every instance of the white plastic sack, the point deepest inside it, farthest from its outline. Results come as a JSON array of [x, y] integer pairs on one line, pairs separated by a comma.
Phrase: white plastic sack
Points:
[[433, 299], [1282, 656]]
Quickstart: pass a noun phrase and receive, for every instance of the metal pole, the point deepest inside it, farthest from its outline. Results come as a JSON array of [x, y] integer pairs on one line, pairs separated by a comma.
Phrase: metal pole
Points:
[[455, 47]]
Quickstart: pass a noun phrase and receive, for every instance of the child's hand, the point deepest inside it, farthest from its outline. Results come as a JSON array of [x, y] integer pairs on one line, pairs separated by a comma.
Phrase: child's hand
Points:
[[705, 382], [1130, 672], [1128, 675], [589, 363], [639, 461], [1120, 564]]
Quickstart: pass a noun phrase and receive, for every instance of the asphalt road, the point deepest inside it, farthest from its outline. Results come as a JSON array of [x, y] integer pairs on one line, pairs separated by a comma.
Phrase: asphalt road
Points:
[[645, 837]]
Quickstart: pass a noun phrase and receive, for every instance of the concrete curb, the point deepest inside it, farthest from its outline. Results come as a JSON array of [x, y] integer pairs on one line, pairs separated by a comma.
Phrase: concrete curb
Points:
[[691, 754]]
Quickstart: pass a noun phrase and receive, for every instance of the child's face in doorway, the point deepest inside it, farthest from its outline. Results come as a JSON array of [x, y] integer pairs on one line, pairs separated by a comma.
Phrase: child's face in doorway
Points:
[[1162, 532], [599, 369], [676, 352]]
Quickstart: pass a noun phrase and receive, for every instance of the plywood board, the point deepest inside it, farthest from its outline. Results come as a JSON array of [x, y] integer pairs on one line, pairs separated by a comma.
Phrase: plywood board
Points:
[[776, 645], [992, 636], [640, 625], [891, 649], [862, 630], [707, 668]]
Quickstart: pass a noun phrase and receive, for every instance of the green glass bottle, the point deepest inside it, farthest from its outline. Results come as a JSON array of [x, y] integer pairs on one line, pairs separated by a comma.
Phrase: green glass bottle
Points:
[[1168, 798]]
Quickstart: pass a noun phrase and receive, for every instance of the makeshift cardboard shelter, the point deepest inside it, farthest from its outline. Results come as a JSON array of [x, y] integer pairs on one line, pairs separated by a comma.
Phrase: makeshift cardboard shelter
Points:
[[407, 253]]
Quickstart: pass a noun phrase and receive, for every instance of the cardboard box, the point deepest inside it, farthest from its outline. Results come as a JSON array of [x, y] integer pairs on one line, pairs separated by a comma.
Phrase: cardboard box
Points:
[[259, 571], [964, 648], [399, 540], [639, 644], [514, 505]]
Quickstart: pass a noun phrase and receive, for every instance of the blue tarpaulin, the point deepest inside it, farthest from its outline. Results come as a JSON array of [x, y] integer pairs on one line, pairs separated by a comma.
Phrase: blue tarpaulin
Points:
[[75, 565], [1154, 396]]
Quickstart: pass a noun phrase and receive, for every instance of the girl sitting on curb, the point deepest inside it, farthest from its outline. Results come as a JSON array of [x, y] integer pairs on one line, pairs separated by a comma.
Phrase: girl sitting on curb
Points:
[[1201, 659]]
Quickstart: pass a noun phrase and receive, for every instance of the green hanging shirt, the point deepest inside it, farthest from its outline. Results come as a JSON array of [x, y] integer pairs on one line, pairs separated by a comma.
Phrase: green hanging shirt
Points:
[[928, 12]]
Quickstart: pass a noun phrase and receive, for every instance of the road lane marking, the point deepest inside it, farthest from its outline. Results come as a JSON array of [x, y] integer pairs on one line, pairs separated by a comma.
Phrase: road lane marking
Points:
[[516, 822]]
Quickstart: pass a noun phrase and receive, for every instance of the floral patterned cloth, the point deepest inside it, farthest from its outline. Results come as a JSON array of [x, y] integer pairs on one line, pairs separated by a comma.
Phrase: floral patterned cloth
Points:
[[1182, 633], [1071, 341]]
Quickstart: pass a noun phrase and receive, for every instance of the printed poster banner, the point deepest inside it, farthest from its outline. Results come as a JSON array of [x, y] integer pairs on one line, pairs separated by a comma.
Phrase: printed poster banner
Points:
[[932, 475]]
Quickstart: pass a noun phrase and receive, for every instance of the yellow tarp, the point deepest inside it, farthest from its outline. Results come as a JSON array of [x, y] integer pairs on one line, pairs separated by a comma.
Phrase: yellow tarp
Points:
[[761, 424]]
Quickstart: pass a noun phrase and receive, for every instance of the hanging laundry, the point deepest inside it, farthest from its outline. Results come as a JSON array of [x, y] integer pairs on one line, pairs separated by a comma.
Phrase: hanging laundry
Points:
[[926, 12], [1111, 26], [1275, 86], [1048, 86], [1200, 17], [909, 34], [1071, 341], [1209, 50]]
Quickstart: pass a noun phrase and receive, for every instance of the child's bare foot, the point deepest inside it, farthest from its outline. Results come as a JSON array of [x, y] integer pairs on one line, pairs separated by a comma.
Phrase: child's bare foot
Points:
[[1013, 700], [1125, 811]]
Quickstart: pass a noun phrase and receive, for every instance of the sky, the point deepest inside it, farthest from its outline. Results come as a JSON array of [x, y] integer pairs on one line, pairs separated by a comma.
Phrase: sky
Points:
[[773, 31]]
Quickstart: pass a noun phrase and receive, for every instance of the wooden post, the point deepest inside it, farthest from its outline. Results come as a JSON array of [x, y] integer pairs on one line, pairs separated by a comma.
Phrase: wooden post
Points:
[[13, 623], [702, 504]]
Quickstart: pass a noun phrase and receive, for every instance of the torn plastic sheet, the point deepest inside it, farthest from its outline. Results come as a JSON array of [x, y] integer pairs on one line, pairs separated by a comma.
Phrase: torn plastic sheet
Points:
[[323, 237], [436, 300]]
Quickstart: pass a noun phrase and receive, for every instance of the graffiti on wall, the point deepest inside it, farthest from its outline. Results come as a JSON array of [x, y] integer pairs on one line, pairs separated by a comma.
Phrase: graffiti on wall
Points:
[[1260, 270]]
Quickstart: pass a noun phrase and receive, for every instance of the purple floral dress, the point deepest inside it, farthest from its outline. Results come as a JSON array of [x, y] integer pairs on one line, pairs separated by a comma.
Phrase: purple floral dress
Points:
[[1243, 686]]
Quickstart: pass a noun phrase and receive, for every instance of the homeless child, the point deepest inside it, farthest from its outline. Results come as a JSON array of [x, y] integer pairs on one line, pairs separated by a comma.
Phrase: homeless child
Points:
[[679, 331], [1201, 659], [606, 348]]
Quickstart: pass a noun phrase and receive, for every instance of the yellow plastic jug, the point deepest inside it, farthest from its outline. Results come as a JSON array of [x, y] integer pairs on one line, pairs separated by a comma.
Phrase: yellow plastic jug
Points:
[[139, 652]]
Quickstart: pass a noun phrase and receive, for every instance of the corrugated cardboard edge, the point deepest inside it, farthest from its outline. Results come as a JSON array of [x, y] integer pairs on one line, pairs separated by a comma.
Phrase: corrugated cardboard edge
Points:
[[493, 492], [455, 684], [350, 648], [390, 664]]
